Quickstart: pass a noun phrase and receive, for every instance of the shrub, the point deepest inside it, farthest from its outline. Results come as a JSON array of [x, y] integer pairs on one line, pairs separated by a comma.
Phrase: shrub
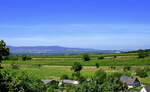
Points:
[[24, 57], [100, 76], [142, 54], [141, 73], [76, 75], [115, 56], [64, 77], [113, 67], [86, 57], [101, 57], [97, 65], [52, 86], [39, 65], [76, 67]]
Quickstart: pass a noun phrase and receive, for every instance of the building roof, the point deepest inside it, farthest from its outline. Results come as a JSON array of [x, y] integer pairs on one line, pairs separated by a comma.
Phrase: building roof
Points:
[[147, 88], [69, 81], [127, 80]]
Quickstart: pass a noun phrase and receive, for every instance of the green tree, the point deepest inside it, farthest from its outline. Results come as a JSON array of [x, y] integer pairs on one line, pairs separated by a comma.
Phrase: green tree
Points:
[[64, 77], [76, 75], [86, 57], [115, 56], [101, 82], [97, 65], [24, 57], [76, 67], [4, 51]]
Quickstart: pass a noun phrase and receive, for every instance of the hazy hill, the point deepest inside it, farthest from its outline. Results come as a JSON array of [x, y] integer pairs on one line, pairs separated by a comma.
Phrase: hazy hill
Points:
[[53, 50]]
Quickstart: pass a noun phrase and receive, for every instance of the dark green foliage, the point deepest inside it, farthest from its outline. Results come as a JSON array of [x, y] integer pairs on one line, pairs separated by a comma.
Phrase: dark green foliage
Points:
[[39, 65], [113, 67], [101, 82], [19, 82], [141, 73], [4, 51], [24, 57], [117, 75], [52, 86], [100, 76], [76, 67], [115, 56], [142, 54], [64, 77], [76, 75], [127, 68], [101, 57], [86, 57], [97, 65]]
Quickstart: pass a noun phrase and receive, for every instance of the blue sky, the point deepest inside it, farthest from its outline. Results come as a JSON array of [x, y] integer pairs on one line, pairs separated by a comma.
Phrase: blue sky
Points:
[[99, 24]]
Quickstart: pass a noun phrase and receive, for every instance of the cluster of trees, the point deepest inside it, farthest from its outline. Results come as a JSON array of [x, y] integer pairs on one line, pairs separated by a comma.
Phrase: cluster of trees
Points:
[[100, 82], [11, 81]]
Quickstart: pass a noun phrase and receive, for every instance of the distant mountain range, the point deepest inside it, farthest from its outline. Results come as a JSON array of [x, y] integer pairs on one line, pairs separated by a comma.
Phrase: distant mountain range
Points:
[[53, 50]]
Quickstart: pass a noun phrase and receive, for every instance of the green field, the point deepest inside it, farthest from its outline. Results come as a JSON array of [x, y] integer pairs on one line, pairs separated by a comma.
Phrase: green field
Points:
[[53, 67], [120, 61], [91, 55], [54, 72]]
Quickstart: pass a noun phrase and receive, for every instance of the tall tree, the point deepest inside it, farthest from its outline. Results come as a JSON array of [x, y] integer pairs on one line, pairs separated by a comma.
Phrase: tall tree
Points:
[[4, 51], [76, 67]]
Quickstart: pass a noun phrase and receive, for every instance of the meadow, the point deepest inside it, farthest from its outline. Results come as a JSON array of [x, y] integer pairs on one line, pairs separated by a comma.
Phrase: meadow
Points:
[[54, 67], [119, 61]]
